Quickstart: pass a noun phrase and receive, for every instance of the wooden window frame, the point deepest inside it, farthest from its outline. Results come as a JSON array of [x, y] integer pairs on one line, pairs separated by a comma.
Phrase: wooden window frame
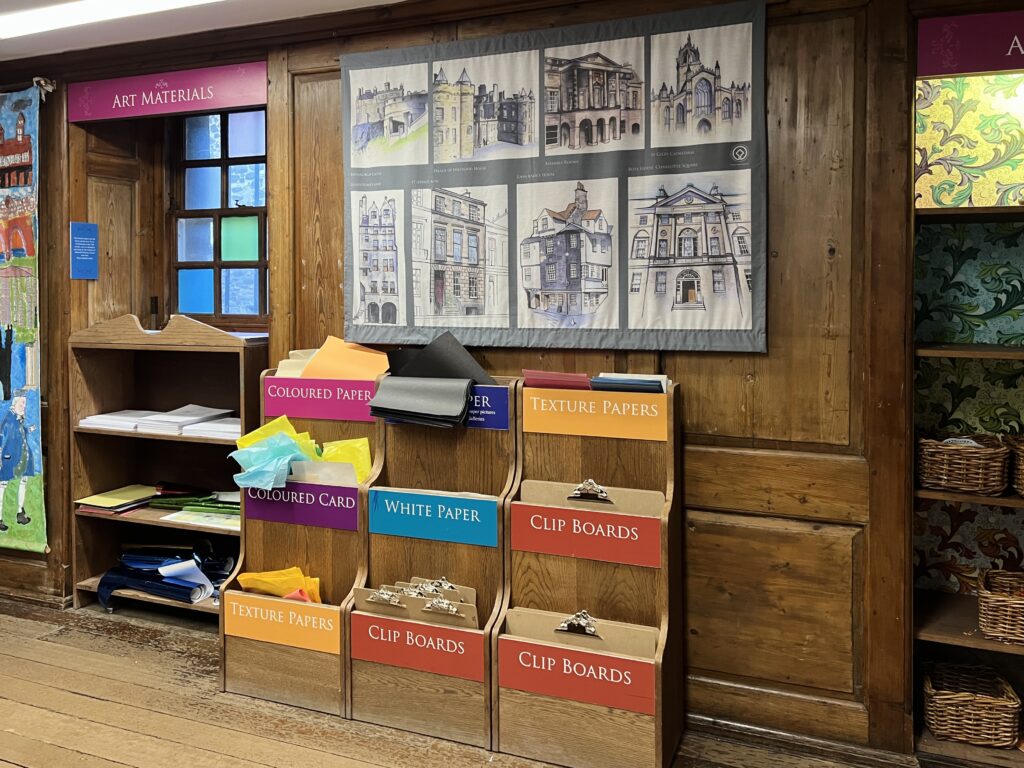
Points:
[[177, 212]]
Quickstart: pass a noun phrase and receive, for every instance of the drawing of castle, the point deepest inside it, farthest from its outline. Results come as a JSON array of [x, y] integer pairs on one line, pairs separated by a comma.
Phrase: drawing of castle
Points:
[[379, 283], [390, 113], [468, 118], [591, 100], [16, 157], [565, 261], [698, 102]]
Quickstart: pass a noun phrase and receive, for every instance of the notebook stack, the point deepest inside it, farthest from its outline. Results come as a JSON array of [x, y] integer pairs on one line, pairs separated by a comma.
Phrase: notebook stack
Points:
[[172, 422]]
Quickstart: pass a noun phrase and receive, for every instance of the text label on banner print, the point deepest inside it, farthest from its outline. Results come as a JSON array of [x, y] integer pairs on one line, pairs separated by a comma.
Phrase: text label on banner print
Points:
[[328, 399], [605, 536], [566, 673], [488, 407], [634, 416], [312, 626], [414, 645], [319, 506], [458, 519], [167, 93]]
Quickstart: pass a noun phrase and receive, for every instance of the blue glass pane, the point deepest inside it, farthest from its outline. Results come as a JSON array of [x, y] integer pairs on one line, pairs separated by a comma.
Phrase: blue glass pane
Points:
[[195, 239], [247, 134], [202, 188], [240, 291], [202, 137], [195, 291], [247, 185]]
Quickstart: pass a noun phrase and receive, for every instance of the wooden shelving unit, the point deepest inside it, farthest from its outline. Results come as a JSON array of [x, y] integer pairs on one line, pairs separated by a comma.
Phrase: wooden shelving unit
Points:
[[980, 213], [946, 753], [118, 365], [953, 620], [1008, 501], [973, 351]]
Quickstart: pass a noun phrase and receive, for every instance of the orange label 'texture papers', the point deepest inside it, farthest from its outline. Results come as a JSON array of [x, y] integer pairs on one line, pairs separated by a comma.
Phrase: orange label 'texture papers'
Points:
[[627, 415], [312, 626]]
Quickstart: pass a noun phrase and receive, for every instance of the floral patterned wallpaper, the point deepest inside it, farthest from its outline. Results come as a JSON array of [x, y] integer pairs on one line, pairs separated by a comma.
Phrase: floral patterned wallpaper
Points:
[[968, 288], [970, 141]]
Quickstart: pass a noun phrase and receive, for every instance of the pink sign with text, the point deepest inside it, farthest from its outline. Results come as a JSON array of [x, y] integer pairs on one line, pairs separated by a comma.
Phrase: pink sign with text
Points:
[[167, 93], [328, 399]]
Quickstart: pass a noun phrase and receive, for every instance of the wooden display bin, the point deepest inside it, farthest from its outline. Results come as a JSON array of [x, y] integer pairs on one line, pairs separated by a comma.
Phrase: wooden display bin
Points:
[[283, 650], [614, 698], [427, 677]]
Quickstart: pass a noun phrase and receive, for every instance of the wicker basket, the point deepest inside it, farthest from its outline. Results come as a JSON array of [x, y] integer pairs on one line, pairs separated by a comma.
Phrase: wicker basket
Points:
[[971, 704], [1001, 605], [964, 468], [1017, 473]]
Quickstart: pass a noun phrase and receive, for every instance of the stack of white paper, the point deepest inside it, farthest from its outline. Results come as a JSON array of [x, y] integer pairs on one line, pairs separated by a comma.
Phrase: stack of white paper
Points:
[[230, 427], [172, 422], [123, 421]]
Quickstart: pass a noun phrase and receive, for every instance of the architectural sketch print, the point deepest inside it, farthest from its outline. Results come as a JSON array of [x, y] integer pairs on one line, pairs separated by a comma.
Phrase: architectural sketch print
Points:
[[389, 116], [701, 86], [378, 236], [594, 97], [485, 108], [460, 257], [567, 254], [690, 251]]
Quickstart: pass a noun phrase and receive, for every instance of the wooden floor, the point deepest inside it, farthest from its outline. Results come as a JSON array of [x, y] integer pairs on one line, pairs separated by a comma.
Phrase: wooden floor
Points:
[[88, 690]]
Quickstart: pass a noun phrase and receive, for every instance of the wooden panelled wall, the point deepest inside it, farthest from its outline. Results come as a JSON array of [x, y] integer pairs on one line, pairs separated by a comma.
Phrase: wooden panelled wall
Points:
[[796, 466]]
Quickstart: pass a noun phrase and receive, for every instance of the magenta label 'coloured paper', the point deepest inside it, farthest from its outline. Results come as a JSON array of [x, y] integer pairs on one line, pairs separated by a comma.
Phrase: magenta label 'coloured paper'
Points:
[[961, 45], [328, 399], [320, 506], [168, 93]]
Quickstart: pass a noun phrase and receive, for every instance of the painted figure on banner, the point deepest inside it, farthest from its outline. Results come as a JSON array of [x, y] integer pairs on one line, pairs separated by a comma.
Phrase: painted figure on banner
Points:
[[460, 257], [567, 254], [701, 98], [389, 116], [594, 97], [22, 517], [690, 251], [378, 233], [485, 108]]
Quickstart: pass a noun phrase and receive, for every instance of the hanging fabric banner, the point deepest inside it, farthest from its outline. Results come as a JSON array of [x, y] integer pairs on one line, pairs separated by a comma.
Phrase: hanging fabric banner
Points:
[[22, 515], [598, 186]]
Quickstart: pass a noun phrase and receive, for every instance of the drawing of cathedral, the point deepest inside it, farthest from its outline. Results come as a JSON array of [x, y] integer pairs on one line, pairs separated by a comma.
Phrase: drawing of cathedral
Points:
[[467, 117], [591, 100], [698, 103], [565, 261]]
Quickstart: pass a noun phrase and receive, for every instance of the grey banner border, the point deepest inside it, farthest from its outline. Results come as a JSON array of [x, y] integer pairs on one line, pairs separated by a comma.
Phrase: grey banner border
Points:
[[497, 172]]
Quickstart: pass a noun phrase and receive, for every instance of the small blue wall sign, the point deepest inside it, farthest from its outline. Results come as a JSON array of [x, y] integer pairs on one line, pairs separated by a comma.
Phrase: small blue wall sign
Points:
[[85, 251]]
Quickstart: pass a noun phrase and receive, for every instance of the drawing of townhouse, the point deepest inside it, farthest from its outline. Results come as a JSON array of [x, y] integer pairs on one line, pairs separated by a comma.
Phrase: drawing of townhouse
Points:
[[389, 113], [379, 282], [690, 259], [467, 117], [698, 102], [565, 261], [591, 100]]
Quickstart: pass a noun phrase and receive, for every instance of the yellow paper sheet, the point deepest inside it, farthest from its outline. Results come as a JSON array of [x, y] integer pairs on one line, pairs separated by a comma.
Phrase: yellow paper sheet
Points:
[[119, 496], [338, 359], [355, 452], [280, 583]]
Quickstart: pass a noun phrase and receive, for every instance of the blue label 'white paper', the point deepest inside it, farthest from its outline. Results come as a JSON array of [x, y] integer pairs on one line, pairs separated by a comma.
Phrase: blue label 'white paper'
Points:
[[458, 519]]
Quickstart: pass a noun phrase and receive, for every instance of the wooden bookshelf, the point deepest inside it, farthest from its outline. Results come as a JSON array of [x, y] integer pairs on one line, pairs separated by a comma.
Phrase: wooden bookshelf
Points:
[[973, 351], [209, 605], [953, 620], [968, 214], [1008, 501], [118, 365], [964, 755], [151, 516]]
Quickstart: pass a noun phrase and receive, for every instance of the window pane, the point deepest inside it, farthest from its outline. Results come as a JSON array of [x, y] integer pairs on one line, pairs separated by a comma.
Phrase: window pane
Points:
[[240, 291], [240, 238], [247, 134], [195, 291], [247, 185], [202, 137], [195, 239], [202, 188]]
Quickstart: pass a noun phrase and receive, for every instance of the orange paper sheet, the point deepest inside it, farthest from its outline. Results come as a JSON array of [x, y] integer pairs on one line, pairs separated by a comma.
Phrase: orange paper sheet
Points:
[[339, 359]]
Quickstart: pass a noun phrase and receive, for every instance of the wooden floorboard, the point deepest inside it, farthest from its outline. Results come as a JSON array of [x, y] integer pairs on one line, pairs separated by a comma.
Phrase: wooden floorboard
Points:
[[88, 690]]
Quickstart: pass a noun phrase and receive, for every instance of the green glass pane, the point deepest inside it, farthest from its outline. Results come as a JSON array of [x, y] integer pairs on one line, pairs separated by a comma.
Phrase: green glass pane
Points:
[[240, 238]]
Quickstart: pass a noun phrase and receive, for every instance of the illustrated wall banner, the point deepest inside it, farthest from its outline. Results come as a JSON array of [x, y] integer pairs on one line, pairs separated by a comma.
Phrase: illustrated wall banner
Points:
[[591, 186], [22, 516]]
